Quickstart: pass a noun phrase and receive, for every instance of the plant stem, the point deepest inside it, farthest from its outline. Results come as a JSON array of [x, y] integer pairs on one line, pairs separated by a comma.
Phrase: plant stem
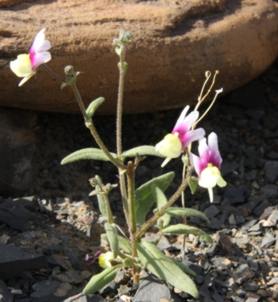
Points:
[[120, 98], [119, 118], [183, 205], [132, 217], [90, 125], [148, 224]]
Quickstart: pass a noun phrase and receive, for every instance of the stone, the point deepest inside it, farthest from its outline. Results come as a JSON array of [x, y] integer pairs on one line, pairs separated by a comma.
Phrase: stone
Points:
[[270, 219], [18, 145], [152, 290], [271, 170], [83, 298], [268, 240], [16, 215], [270, 191], [235, 195], [14, 261], [5, 294], [45, 290], [175, 42]]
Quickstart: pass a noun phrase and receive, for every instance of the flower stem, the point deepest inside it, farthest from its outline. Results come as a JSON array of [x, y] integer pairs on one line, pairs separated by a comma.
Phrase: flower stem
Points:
[[132, 217], [183, 205], [122, 71]]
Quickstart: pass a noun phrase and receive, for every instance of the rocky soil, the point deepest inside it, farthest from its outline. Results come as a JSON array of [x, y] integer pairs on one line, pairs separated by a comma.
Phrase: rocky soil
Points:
[[49, 235]]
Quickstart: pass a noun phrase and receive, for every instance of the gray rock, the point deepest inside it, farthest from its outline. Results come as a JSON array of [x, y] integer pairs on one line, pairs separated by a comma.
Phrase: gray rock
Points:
[[268, 240], [235, 195], [45, 290], [153, 291], [83, 298], [5, 294], [18, 144], [15, 214], [14, 261], [243, 273], [212, 211], [270, 191], [271, 170]]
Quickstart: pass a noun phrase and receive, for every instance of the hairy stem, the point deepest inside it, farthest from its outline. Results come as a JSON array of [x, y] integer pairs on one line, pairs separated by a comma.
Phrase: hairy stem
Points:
[[132, 217], [119, 118]]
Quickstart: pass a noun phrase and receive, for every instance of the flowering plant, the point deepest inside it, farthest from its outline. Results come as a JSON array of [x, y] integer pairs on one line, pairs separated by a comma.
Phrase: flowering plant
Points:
[[145, 207]]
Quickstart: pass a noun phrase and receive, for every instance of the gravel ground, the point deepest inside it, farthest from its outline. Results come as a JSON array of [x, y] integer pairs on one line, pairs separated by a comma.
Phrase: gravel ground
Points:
[[58, 224]]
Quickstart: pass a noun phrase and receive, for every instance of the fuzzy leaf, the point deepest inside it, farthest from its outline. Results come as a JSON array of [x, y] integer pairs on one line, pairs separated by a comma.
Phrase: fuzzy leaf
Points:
[[141, 151], [100, 280], [184, 229], [93, 106], [193, 184], [165, 268], [187, 212], [161, 200], [145, 194], [85, 154], [112, 237]]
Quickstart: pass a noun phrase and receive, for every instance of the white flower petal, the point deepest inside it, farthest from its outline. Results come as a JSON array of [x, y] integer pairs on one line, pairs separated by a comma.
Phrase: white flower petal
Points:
[[182, 115], [203, 147], [40, 43], [191, 118]]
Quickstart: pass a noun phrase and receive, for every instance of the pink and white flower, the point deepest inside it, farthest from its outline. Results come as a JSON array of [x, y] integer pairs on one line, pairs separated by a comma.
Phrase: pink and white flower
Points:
[[207, 165], [25, 65], [182, 135]]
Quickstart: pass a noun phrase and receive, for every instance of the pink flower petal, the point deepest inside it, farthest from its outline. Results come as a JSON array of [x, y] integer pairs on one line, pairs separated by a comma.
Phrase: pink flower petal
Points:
[[182, 116], [40, 58], [195, 160]]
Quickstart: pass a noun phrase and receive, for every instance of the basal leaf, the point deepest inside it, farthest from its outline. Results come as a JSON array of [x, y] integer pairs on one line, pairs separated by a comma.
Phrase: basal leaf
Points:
[[165, 268], [100, 280]]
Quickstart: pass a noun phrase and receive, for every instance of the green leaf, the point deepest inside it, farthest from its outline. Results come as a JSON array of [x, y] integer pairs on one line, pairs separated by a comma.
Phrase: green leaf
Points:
[[93, 106], [124, 244], [165, 268], [141, 151], [161, 200], [184, 229], [112, 237], [85, 154], [100, 280], [193, 184], [187, 212], [145, 194]]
